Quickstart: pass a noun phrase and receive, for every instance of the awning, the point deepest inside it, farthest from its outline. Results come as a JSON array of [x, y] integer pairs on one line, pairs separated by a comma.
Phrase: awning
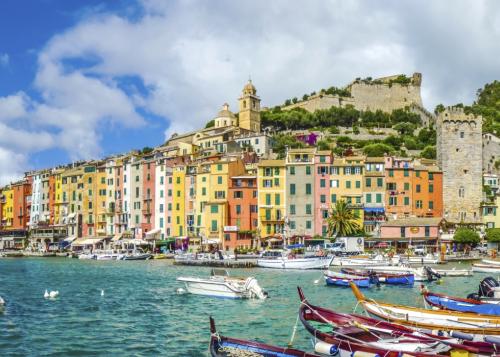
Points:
[[87, 241], [71, 215], [152, 233], [211, 241], [165, 241], [374, 209], [292, 246], [70, 239]]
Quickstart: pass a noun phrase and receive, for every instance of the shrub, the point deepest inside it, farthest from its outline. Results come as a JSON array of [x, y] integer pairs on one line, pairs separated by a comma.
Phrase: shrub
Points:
[[493, 235], [466, 236]]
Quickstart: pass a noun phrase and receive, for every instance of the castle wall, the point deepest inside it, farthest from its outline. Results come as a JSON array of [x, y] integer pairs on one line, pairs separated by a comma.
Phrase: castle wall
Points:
[[460, 158]]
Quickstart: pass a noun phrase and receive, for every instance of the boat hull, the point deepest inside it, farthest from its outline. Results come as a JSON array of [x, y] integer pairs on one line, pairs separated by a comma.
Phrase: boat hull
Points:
[[299, 263], [445, 302], [386, 278], [361, 283], [485, 268]]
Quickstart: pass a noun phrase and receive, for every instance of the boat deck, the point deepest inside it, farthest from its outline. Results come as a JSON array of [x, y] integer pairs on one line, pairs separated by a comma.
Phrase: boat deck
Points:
[[218, 263]]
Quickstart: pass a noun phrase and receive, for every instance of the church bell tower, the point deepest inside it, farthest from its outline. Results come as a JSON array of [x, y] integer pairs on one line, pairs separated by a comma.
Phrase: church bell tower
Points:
[[249, 116]]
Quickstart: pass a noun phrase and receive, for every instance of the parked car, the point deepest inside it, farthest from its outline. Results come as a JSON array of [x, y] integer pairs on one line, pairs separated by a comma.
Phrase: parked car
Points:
[[419, 250], [482, 248]]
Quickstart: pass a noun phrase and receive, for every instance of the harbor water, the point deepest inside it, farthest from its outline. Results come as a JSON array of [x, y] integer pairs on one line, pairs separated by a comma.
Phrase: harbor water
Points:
[[141, 314]]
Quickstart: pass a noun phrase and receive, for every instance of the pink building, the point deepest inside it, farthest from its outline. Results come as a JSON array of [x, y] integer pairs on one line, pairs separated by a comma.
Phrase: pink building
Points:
[[322, 202], [148, 195], [404, 231]]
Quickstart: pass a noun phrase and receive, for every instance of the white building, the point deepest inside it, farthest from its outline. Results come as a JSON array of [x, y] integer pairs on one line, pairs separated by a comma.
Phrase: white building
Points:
[[260, 142], [36, 200]]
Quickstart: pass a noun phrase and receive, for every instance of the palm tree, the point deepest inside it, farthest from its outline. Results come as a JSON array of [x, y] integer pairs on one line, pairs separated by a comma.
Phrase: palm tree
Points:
[[341, 220]]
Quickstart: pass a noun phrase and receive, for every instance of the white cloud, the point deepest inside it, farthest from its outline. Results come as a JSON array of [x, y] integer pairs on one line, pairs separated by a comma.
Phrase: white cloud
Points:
[[4, 59], [193, 56]]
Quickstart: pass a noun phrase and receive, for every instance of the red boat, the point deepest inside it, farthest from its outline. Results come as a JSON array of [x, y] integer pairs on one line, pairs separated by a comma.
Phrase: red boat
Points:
[[221, 346], [352, 333]]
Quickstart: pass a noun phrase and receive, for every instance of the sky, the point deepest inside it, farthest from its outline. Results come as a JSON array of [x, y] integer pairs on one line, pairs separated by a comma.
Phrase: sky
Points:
[[85, 79]]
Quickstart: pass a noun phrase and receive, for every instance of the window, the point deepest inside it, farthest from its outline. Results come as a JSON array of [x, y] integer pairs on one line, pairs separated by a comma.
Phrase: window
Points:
[[368, 198], [213, 227], [391, 186], [268, 199], [276, 182], [417, 188], [238, 194], [169, 193], [419, 204], [277, 199], [292, 170], [431, 204], [214, 209], [347, 170], [380, 182], [427, 231], [406, 173], [322, 159], [161, 222], [368, 182], [431, 188], [276, 171], [203, 191], [161, 207], [292, 209], [334, 198], [378, 198], [403, 232], [462, 135], [322, 198], [406, 201], [348, 184], [308, 189], [219, 180], [358, 184], [268, 214], [417, 173], [308, 209], [292, 189], [161, 193], [322, 183], [137, 178], [137, 192], [406, 186], [324, 214], [391, 173], [393, 201], [238, 209], [292, 224], [267, 183], [461, 192], [334, 183], [219, 167], [431, 176], [308, 170], [308, 225]]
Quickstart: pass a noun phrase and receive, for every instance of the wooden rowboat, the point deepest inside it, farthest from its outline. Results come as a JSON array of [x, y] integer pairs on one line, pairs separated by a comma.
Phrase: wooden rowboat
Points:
[[401, 278], [446, 302], [341, 279], [221, 346], [353, 333], [442, 320]]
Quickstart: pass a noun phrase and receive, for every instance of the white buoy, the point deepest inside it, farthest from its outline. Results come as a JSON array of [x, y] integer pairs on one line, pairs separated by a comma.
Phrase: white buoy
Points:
[[316, 281], [46, 295], [2, 301], [54, 294], [180, 291], [102, 292]]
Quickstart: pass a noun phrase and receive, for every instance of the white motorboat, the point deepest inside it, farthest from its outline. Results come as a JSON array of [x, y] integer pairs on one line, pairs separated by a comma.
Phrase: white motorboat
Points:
[[420, 274], [428, 259], [87, 255], [486, 268], [282, 260], [379, 260], [454, 272], [220, 284], [491, 262]]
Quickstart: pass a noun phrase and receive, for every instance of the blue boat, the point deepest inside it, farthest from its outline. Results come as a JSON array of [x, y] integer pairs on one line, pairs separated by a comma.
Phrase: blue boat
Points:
[[341, 279], [446, 302], [386, 278]]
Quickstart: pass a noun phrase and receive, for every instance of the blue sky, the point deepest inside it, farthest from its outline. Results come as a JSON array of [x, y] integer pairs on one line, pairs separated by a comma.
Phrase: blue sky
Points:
[[86, 79]]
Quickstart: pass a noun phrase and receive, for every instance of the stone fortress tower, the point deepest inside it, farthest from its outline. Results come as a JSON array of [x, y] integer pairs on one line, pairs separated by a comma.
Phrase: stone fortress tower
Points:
[[249, 115], [459, 154]]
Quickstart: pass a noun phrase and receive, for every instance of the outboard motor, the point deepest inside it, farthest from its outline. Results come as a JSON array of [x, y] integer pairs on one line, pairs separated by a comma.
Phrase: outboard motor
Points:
[[374, 278], [431, 274], [487, 287]]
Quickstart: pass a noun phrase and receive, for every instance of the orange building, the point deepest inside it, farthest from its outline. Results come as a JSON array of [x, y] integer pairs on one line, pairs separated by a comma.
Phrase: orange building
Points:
[[22, 204], [148, 195], [243, 216], [52, 197], [413, 188]]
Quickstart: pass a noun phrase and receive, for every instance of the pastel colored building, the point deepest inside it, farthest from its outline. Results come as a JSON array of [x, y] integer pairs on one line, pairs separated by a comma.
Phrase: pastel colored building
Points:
[[7, 198], [300, 192], [374, 193], [346, 183], [243, 213], [322, 198], [178, 210], [136, 188], [72, 201], [271, 184], [21, 204], [414, 230], [148, 197]]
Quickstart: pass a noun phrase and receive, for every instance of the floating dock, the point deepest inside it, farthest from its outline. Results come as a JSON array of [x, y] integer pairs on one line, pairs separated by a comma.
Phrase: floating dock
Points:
[[225, 263]]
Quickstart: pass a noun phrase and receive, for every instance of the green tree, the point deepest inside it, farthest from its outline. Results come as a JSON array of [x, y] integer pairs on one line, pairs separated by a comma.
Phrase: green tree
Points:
[[294, 100], [493, 235], [210, 124], [288, 102], [323, 145], [404, 128], [146, 150], [466, 236], [305, 97], [341, 220], [429, 152], [379, 149], [282, 141], [439, 109]]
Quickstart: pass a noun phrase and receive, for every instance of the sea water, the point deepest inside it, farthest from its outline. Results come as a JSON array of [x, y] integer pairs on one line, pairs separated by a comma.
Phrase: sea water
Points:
[[141, 314]]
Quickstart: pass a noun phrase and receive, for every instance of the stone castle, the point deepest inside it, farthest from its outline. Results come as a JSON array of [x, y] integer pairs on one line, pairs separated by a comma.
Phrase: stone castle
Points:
[[386, 94], [460, 157]]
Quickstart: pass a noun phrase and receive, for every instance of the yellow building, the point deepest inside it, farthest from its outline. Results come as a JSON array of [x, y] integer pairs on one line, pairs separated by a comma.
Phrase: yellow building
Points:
[[346, 183], [215, 211], [58, 196], [490, 213], [203, 194], [178, 209], [271, 185], [72, 200], [7, 197]]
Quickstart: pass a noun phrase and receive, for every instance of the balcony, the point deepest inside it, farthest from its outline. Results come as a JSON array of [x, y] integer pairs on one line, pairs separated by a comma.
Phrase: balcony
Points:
[[147, 198]]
